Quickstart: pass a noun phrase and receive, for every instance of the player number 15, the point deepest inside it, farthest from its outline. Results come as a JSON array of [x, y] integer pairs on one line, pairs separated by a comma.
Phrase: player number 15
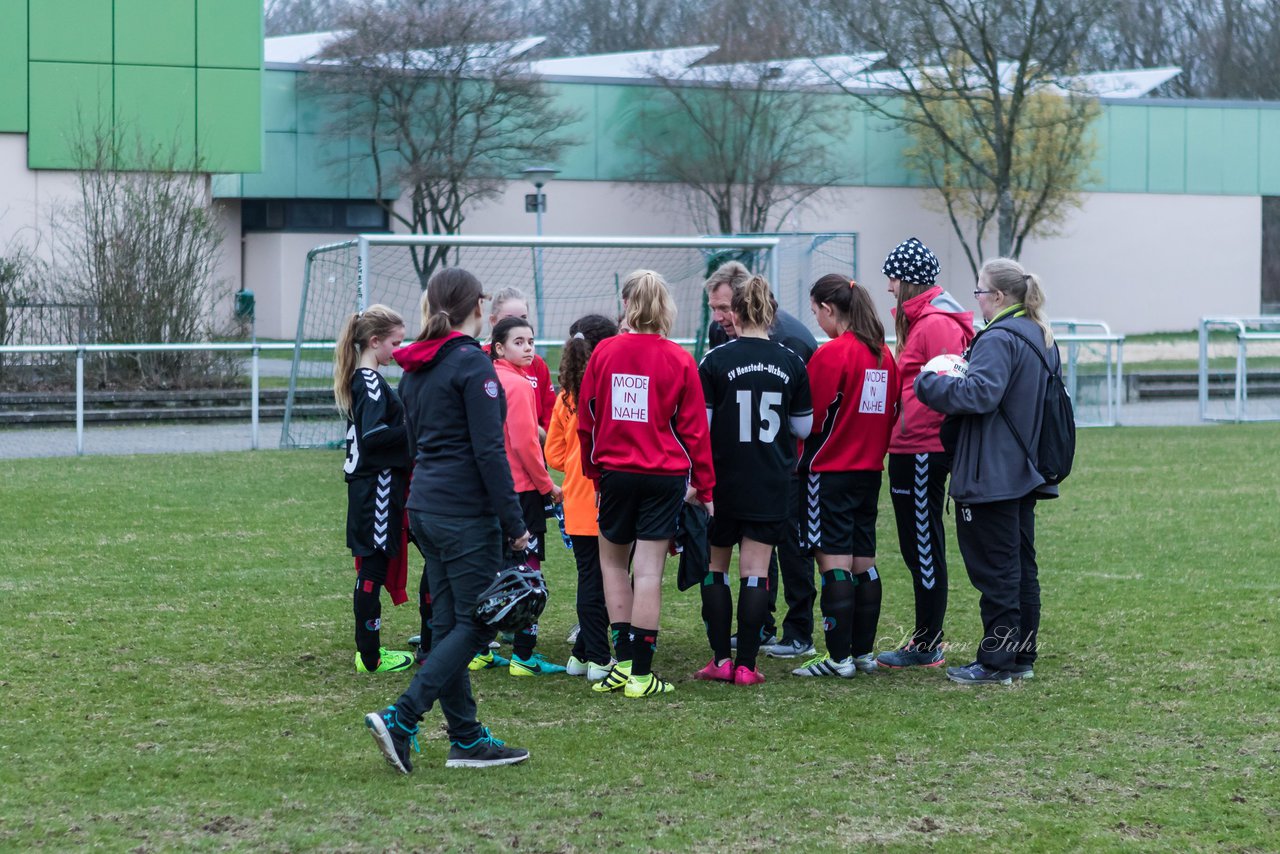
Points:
[[770, 420]]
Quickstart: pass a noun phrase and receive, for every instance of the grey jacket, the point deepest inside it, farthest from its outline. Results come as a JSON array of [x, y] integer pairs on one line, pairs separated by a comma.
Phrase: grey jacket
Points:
[[989, 463]]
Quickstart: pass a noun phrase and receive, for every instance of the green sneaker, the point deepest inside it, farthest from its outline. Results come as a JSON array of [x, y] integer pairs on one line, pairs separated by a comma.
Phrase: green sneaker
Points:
[[389, 661], [534, 665], [487, 661], [646, 686], [615, 679]]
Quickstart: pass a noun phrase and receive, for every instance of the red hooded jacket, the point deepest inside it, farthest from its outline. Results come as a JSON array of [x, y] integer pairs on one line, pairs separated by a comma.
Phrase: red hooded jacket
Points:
[[933, 331]]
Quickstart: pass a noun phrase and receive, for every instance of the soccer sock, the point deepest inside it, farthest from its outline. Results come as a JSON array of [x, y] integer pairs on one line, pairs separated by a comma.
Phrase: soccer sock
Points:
[[837, 611], [366, 604], [717, 613], [525, 640], [644, 642], [621, 636], [753, 610], [866, 611]]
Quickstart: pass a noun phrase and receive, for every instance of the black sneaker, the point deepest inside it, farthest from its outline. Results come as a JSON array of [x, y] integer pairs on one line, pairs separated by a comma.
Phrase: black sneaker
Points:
[[483, 752], [393, 738], [977, 674], [768, 637]]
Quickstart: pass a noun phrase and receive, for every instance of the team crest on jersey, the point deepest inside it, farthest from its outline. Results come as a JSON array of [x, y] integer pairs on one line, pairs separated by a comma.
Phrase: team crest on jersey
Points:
[[491, 389]]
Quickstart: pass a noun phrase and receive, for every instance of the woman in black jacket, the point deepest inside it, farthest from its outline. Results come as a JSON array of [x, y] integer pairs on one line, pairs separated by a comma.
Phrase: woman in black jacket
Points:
[[463, 513]]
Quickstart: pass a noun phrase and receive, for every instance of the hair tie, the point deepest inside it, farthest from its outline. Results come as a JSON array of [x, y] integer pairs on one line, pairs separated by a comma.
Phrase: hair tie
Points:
[[852, 283], [1026, 277], [580, 336]]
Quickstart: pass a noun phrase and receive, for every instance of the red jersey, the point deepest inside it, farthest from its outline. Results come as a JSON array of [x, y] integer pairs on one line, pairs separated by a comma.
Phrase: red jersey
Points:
[[641, 410], [855, 403], [544, 395]]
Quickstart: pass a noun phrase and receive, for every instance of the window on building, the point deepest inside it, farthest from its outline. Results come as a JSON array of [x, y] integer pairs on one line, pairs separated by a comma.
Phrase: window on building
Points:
[[332, 215]]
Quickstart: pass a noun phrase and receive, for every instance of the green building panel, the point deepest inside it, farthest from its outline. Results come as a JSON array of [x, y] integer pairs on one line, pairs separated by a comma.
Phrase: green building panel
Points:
[[279, 176], [229, 33], [1122, 149], [1205, 152], [155, 114], [323, 167], [1269, 142], [229, 119], [155, 32], [13, 66], [279, 101], [1167, 157], [70, 105], [71, 30], [580, 160]]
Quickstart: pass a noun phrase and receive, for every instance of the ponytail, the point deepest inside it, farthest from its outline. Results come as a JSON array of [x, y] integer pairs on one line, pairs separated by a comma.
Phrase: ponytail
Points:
[[854, 308], [1009, 277], [376, 321], [901, 323], [649, 306], [451, 296], [753, 303], [584, 334]]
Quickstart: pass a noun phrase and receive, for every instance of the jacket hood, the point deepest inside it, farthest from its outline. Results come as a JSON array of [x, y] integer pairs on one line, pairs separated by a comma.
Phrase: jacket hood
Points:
[[422, 354], [935, 301]]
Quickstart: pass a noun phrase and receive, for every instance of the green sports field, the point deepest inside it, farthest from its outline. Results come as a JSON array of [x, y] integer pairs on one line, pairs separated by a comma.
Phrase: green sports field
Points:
[[177, 675]]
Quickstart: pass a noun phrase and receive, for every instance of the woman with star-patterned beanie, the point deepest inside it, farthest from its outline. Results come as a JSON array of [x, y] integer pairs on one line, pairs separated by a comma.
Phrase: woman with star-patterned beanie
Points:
[[928, 322]]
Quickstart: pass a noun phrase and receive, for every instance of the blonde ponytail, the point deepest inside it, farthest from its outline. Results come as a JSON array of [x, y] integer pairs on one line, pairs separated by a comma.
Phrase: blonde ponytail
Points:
[[753, 303], [649, 305], [376, 321], [1009, 277]]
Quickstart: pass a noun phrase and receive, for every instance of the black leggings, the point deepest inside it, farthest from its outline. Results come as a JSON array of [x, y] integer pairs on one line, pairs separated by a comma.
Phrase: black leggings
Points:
[[917, 485]]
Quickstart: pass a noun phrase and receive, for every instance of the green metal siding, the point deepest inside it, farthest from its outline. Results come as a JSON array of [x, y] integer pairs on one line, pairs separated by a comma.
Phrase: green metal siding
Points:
[[71, 30], [229, 34], [155, 109], [13, 66], [155, 32], [229, 117], [1143, 147], [66, 98]]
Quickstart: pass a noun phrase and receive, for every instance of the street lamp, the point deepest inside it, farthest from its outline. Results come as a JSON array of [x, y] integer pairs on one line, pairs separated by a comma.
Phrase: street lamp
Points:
[[536, 203]]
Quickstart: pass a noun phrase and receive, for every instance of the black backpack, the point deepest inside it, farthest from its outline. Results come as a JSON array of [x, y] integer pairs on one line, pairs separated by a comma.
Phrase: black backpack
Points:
[[1057, 449]]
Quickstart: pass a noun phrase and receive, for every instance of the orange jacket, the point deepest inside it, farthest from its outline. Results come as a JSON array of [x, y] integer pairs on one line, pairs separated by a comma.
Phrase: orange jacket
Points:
[[565, 454], [520, 432]]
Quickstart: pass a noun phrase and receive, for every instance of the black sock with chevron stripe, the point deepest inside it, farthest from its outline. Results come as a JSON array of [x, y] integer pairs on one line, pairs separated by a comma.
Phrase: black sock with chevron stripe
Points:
[[837, 612]]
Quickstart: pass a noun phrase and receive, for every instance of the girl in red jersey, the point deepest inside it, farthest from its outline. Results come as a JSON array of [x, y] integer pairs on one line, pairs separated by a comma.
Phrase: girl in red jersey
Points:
[[854, 384], [929, 322], [590, 656], [511, 302], [377, 471], [511, 348], [642, 425]]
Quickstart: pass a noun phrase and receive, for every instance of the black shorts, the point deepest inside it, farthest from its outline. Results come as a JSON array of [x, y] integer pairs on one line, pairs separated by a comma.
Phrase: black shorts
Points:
[[726, 531], [838, 512], [639, 506], [375, 513], [531, 507]]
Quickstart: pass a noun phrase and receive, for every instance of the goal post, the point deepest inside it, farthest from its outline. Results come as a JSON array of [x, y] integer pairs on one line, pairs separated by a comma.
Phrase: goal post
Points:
[[562, 277]]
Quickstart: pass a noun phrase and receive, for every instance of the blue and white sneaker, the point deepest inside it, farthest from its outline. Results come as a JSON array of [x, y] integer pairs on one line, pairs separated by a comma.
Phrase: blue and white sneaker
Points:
[[393, 738], [977, 674], [1022, 671], [484, 752], [790, 649], [911, 656]]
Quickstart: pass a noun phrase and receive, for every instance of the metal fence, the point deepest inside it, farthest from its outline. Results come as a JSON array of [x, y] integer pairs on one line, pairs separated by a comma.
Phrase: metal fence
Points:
[[1253, 395]]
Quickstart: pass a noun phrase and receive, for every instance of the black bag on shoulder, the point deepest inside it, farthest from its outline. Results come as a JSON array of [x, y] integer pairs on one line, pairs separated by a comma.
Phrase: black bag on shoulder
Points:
[[1057, 449]]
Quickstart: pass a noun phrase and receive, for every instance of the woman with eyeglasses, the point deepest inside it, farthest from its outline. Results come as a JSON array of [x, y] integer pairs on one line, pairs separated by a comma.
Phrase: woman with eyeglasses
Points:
[[993, 479], [463, 513], [928, 322]]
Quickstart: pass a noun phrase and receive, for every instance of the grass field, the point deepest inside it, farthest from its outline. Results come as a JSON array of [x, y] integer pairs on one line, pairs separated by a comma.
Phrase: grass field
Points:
[[178, 676]]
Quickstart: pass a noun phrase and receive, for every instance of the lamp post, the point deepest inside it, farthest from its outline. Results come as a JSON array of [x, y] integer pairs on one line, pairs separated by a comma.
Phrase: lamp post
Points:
[[536, 203]]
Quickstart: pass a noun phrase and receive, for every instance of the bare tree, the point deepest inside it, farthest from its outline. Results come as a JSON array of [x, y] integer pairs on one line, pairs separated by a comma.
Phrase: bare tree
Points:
[[446, 112], [605, 26], [286, 17], [739, 137], [142, 248], [967, 76]]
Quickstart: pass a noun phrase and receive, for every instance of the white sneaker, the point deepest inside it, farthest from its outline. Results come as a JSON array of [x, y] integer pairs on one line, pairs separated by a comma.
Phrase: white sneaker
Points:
[[825, 665], [576, 667], [790, 649], [866, 663], [596, 672], [573, 633]]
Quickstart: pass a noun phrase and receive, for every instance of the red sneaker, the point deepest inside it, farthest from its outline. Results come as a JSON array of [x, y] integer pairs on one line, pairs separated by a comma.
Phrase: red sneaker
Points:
[[747, 676]]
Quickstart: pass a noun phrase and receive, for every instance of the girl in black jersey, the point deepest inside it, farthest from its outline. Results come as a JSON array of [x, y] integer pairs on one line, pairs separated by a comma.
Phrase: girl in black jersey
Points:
[[376, 469], [758, 405]]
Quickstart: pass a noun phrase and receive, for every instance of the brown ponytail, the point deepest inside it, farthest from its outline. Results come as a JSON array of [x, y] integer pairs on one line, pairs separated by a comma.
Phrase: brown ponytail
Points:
[[584, 334], [451, 296], [901, 325], [854, 309], [753, 303]]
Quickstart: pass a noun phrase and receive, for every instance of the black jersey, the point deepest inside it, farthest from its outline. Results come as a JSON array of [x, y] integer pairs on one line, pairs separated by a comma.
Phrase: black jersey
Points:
[[752, 387], [376, 436]]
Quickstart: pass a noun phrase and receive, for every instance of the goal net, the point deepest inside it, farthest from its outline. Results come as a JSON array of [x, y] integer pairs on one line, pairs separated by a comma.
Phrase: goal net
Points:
[[562, 277]]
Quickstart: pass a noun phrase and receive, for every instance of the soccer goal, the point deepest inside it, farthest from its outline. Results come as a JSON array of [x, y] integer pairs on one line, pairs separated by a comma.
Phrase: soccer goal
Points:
[[1239, 371], [563, 278]]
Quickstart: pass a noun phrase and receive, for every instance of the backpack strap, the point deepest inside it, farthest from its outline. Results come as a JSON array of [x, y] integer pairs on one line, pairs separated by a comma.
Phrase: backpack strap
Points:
[[1000, 408]]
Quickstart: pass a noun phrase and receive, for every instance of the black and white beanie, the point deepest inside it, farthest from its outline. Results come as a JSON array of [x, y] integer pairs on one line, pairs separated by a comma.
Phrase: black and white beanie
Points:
[[911, 261]]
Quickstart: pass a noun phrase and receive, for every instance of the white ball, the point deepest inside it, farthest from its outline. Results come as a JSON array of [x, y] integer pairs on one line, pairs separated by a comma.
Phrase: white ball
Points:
[[947, 364]]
